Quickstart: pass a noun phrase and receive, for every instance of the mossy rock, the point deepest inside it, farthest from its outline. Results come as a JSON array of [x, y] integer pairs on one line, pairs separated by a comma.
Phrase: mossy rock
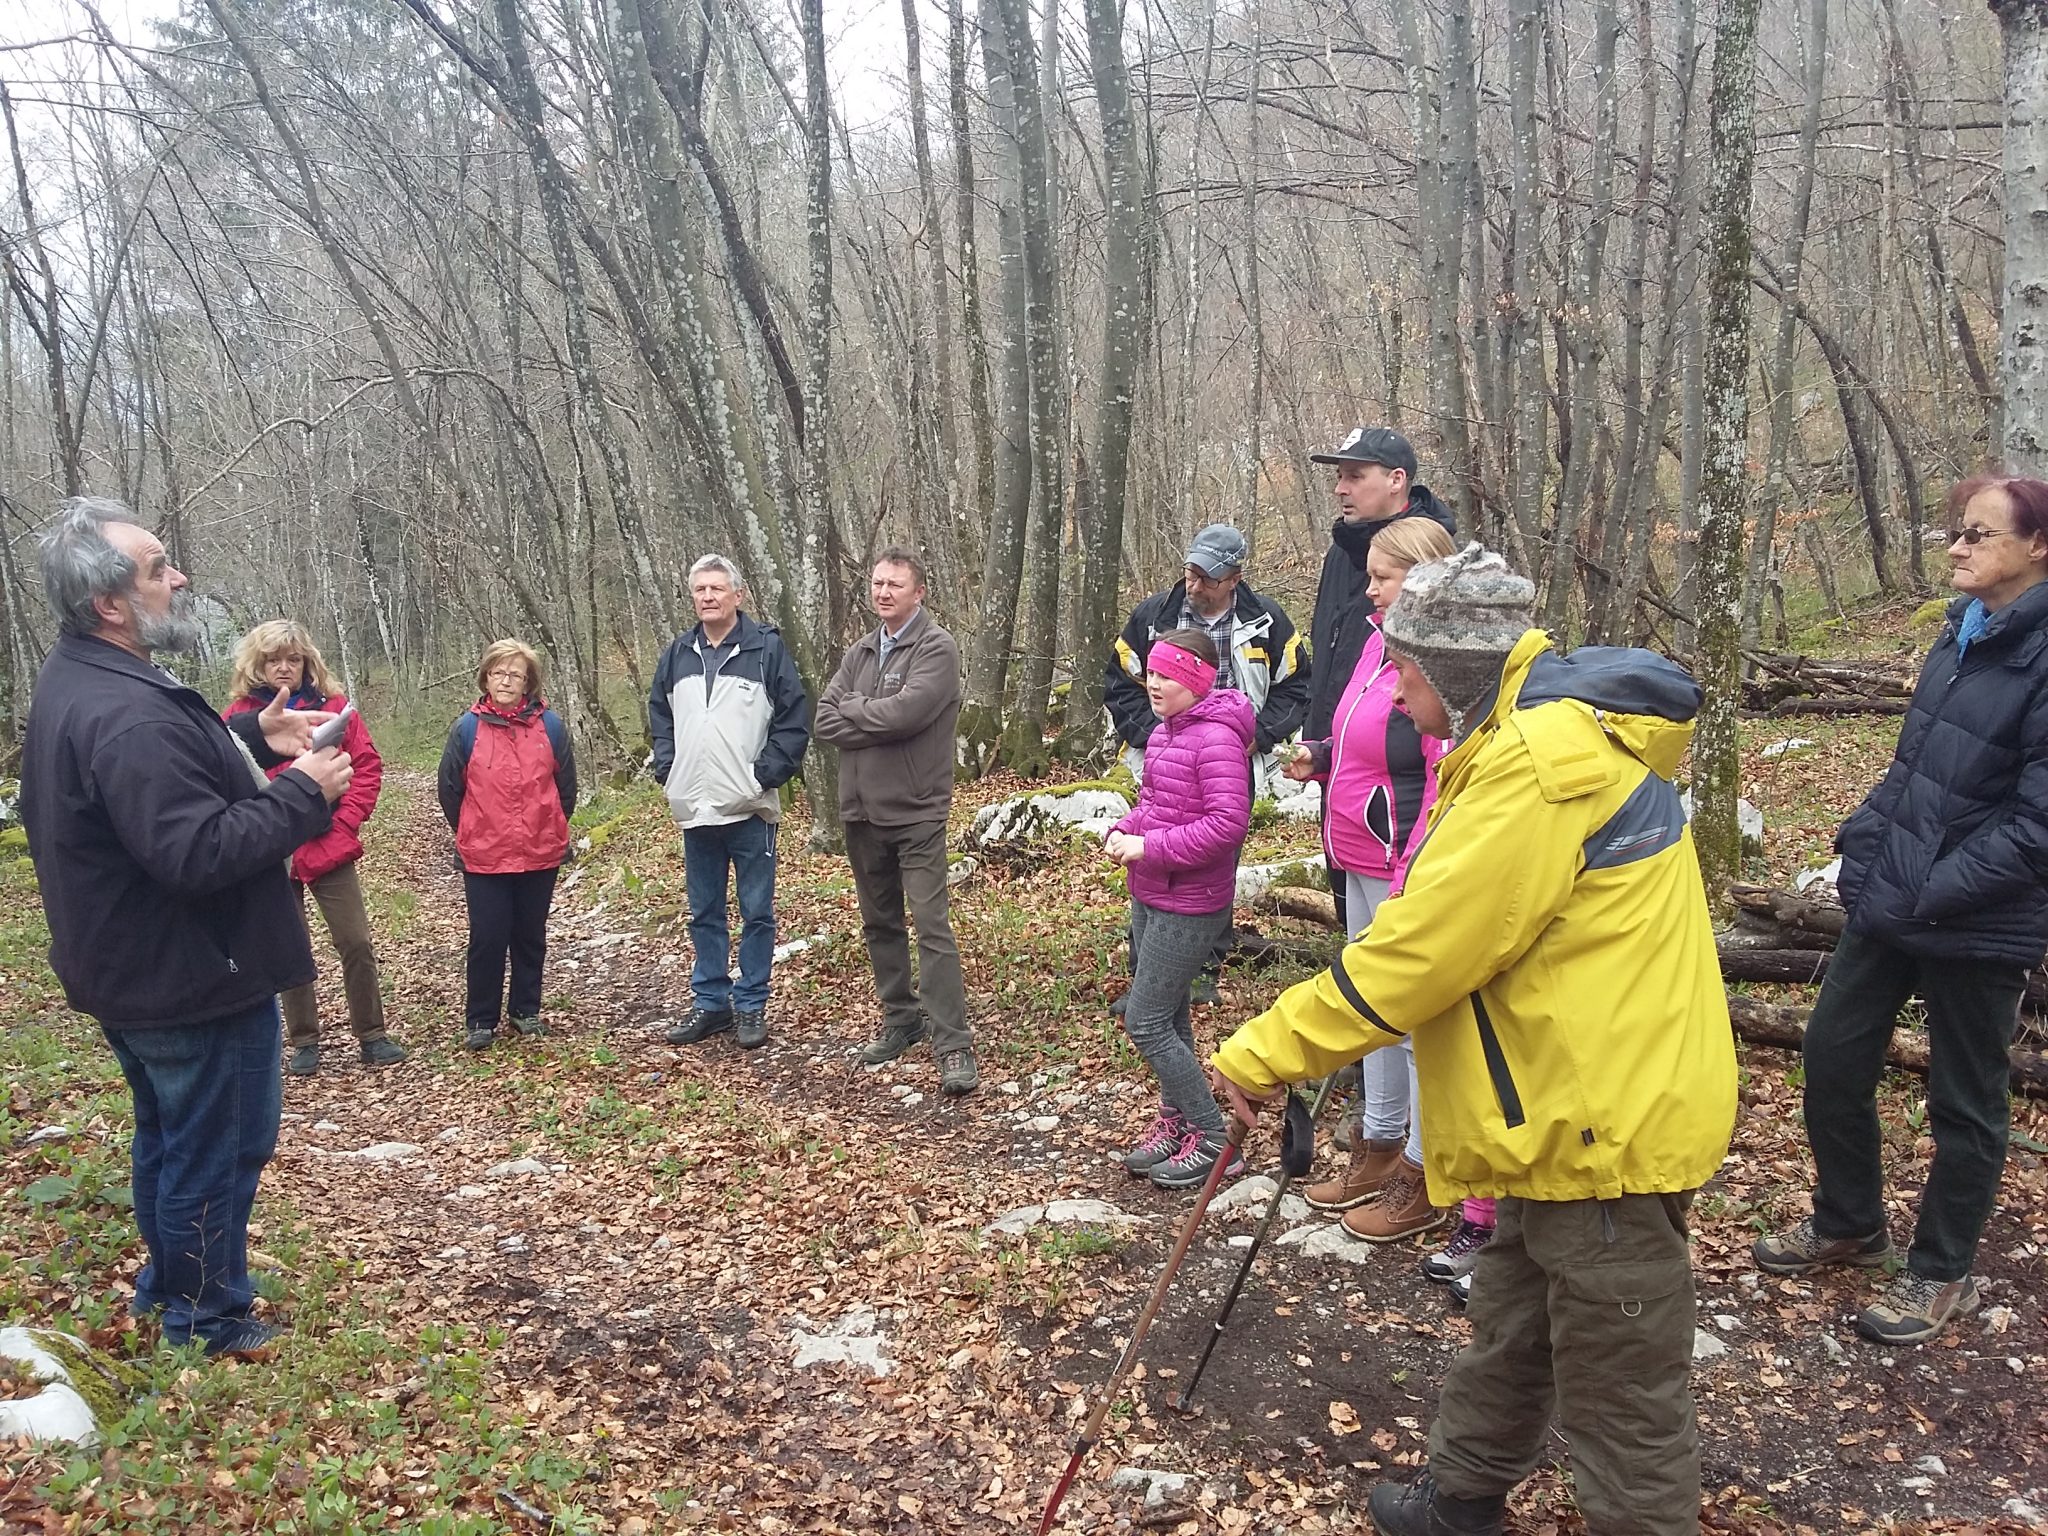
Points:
[[1118, 781], [14, 841], [110, 1386], [1931, 614]]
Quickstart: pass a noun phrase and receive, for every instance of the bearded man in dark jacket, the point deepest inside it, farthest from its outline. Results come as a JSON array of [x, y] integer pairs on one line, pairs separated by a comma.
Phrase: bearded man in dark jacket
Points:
[[160, 851]]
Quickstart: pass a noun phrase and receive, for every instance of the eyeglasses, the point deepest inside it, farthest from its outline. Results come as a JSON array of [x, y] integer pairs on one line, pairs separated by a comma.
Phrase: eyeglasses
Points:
[[507, 674], [1975, 536]]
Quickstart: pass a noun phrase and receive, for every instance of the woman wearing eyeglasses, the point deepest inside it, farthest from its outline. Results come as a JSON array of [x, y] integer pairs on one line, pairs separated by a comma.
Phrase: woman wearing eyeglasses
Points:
[[1945, 878], [1379, 779], [507, 786]]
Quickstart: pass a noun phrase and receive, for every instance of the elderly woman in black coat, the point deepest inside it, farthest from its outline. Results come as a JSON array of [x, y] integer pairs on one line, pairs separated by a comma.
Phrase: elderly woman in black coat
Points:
[[1945, 878]]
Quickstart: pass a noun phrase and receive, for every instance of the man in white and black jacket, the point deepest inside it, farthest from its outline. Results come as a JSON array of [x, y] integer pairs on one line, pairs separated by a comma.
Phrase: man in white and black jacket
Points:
[[730, 721], [160, 852], [1261, 654]]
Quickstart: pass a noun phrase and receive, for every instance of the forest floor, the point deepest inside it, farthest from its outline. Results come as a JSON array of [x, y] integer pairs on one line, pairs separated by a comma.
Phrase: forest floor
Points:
[[606, 1341]]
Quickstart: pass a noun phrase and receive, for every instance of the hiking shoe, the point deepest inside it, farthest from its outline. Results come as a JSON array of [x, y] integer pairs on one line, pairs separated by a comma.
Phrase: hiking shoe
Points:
[[751, 1028], [702, 1025], [1423, 1509], [1202, 992], [958, 1073], [479, 1037], [1402, 1210], [894, 1040], [528, 1024], [384, 1051], [1803, 1250], [246, 1340], [1189, 1166], [1161, 1141], [304, 1061], [1365, 1175], [1120, 1004], [1461, 1290], [1455, 1259], [1914, 1309]]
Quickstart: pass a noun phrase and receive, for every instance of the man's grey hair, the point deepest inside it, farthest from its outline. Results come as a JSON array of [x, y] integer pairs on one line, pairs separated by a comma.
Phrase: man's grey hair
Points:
[[79, 564], [719, 563]]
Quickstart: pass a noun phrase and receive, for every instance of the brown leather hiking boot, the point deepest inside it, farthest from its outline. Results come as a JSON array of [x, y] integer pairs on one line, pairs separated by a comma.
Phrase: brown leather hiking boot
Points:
[[1402, 1210], [1372, 1164]]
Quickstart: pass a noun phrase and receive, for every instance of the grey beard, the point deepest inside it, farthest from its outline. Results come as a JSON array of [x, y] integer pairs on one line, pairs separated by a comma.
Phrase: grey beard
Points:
[[176, 631]]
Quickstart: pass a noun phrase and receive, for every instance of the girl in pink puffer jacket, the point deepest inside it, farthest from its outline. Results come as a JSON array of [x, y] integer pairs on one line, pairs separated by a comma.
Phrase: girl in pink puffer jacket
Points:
[[1179, 847]]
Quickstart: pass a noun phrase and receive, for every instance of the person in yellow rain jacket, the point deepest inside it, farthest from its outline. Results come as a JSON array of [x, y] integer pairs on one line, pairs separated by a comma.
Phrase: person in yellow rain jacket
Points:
[[1553, 960]]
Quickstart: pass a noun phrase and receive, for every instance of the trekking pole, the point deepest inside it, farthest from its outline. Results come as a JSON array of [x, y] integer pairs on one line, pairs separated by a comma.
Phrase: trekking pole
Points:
[[1297, 1153], [1085, 1441]]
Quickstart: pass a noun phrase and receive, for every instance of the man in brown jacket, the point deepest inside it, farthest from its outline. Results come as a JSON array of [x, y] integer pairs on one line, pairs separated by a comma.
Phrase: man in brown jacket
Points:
[[890, 710]]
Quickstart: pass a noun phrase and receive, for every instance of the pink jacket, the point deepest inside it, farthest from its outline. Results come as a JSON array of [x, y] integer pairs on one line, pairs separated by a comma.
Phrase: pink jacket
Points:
[[1194, 806], [1381, 775]]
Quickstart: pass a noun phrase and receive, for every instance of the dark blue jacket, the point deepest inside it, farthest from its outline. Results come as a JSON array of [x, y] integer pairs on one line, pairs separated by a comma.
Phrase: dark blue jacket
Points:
[[160, 854], [1948, 856]]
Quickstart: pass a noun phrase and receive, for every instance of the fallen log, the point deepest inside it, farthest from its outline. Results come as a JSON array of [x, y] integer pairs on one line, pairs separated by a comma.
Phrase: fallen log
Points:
[[1799, 967], [1299, 901], [1806, 913], [1785, 708], [1779, 1024]]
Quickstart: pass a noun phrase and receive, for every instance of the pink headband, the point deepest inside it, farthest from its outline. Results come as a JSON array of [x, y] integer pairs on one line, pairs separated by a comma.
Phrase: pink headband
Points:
[[1184, 667]]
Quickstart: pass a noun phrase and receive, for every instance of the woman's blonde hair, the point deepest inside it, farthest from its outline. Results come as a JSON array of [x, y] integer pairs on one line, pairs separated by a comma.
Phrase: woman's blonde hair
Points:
[[508, 650], [1412, 540], [268, 641]]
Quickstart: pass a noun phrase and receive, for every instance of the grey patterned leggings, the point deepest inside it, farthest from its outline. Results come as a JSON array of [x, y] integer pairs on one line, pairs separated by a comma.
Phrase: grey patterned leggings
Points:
[[1168, 950]]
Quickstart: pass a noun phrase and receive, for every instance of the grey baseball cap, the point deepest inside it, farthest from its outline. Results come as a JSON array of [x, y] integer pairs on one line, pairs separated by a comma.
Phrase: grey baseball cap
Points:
[[1372, 445], [1217, 549]]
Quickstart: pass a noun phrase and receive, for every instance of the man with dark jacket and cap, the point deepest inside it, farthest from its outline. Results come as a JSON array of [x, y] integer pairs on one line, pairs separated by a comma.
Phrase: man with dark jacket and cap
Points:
[[160, 851], [1376, 486], [1552, 959], [1260, 655]]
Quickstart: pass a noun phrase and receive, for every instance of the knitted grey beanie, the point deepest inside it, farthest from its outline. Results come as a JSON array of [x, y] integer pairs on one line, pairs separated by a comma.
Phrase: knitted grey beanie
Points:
[[1457, 619]]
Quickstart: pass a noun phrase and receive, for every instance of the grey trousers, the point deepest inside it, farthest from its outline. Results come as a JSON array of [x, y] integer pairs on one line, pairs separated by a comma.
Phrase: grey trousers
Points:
[[1168, 950], [895, 868]]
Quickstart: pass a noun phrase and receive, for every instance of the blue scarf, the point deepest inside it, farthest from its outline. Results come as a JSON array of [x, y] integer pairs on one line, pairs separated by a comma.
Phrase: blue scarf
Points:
[[1976, 619]]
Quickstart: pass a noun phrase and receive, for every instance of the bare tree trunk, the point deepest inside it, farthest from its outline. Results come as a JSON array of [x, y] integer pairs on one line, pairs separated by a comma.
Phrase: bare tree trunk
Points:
[[1255, 329], [1002, 572], [1724, 484], [41, 308], [941, 406], [1440, 218], [981, 428], [1527, 35], [1815, 43], [1125, 325], [2025, 351], [1582, 326]]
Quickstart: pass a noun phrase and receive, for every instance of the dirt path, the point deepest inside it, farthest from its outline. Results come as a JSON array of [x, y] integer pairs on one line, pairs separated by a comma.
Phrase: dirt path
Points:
[[693, 1209]]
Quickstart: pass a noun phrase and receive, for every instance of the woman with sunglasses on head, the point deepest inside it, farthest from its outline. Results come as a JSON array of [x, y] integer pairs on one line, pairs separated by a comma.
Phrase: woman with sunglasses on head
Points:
[[1379, 778], [507, 786], [280, 655], [1945, 880]]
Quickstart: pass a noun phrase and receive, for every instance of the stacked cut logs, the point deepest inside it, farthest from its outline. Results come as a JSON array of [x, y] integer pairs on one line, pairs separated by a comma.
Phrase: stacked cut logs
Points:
[[1783, 937], [1780, 936], [1800, 685]]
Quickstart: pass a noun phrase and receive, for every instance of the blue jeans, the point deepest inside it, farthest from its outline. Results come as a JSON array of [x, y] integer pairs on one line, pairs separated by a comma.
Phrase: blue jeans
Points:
[[207, 1099], [747, 849]]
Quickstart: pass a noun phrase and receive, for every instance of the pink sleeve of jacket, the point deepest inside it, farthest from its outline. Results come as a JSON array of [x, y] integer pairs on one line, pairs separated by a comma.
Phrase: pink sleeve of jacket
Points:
[[1226, 816]]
